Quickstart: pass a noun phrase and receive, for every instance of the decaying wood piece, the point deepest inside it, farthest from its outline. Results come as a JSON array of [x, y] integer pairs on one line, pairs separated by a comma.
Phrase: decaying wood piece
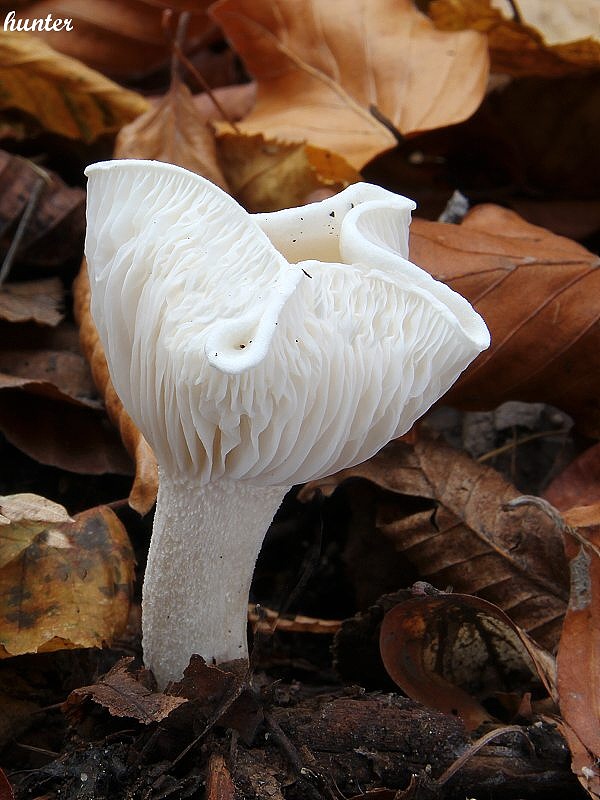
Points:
[[353, 744]]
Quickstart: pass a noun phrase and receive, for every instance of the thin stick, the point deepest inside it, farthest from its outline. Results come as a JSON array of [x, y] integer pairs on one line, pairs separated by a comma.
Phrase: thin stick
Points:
[[200, 79], [517, 16], [387, 123], [517, 442], [42, 181], [475, 748]]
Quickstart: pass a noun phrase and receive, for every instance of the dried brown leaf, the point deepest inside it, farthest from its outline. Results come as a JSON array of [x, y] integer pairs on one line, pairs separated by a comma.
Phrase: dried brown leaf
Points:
[[32, 301], [205, 695], [467, 537], [269, 175], [63, 435], [125, 691], [122, 38], [30, 509], [49, 407], [236, 101], [67, 585], [450, 651], [57, 374], [220, 695], [173, 131], [525, 282], [515, 48], [145, 486], [60, 94], [583, 763], [579, 650], [578, 681], [6, 790], [55, 231], [578, 484], [321, 68]]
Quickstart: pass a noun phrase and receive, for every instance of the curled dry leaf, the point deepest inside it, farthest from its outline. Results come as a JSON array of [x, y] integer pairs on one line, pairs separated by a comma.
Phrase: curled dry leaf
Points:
[[525, 282], [59, 94], [467, 537], [205, 694], [122, 38], [578, 484], [32, 301], [450, 651], [321, 68], [220, 694], [30, 509], [57, 374], [45, 378], [564, 22], [173, 131], [516, 48], [145, 486], [268, 175], [56, 229], [236, 101], [63, 584], [578, 678], [84, 442], [583, 763], [125, 691]]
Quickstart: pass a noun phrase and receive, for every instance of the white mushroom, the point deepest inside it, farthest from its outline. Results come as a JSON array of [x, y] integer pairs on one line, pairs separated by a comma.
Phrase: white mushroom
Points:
[[254, 353]]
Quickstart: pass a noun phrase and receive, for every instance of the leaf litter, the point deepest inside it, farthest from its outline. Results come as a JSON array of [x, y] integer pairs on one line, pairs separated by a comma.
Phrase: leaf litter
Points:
[[491, 625]]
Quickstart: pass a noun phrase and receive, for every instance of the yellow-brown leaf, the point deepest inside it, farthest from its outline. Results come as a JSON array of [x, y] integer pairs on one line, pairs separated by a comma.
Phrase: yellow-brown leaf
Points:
[[516, 48], [120, 38], [267, 175], [60, 94], [63, 584], [321, 68], [173, 131]]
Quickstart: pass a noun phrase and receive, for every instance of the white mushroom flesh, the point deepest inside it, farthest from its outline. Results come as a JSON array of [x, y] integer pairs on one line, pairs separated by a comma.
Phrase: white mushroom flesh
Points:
[[254, 353]]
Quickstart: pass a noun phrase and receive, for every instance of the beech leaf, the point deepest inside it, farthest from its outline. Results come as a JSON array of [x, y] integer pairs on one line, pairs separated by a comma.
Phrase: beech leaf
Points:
[[121, 38], [44, 378], [516, 48], [267, 175], [36, 301], [173, 131], [525, 282], [578, 681], [467, 536], [326, 72], [578, 484], [59, 93], [451, 650], [125, 691], [62, 584], [56, 228]]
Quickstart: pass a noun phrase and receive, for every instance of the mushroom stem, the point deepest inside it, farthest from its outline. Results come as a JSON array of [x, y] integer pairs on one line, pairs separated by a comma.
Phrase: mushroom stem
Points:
[[204, 546]]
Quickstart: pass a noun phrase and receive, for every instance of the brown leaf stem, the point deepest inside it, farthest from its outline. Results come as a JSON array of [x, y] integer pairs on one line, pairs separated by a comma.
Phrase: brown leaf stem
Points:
[[177, 51], [42, 181]]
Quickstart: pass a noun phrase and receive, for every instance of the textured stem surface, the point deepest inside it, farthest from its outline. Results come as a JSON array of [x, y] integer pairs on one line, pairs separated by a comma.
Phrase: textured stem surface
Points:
[[204, 546]]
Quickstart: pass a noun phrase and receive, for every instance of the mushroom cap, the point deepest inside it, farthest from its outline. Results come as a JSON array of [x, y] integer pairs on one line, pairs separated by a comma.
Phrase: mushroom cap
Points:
[[273, 348]]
